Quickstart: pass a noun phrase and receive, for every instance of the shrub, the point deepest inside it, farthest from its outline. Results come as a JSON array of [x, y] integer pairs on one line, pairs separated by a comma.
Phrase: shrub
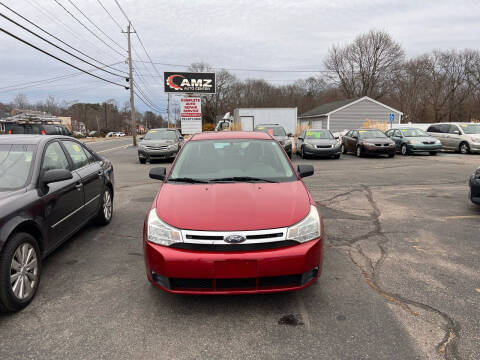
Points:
[[208, 127]]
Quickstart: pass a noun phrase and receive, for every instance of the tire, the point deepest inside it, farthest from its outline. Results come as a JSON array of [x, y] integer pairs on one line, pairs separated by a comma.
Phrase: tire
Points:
[[16, 296], [464, 148], [302, 153], [391, 155], [433, 153], [142, 161], [359, 151], [344, 149], [105, 213], [337, 156], [404, 150], [289, 154]]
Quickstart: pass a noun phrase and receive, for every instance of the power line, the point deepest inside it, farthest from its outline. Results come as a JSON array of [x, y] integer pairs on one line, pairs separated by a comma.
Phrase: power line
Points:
[[99, 38], [242, 69], [56, 38], [146, 97], [150, 106], [58, 47], [43, 81], [111, 17], [61, 60], [91, 22]]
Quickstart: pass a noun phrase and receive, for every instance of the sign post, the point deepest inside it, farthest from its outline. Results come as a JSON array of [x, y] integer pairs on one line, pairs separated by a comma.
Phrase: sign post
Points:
[[392, 119], [191, 115]]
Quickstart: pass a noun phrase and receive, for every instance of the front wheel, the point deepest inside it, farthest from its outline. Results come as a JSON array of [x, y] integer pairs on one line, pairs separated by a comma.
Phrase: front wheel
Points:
[[20, 266], [433, 153], [344, 149], [404, 150], [359, 151], [142, 160], [464, 148], [391, 155], [105, 212], [302, 153], [336, 156]]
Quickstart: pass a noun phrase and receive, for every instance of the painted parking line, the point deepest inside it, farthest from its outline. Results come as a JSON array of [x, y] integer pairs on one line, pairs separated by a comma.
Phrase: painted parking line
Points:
[[461, 217], [111, 149]]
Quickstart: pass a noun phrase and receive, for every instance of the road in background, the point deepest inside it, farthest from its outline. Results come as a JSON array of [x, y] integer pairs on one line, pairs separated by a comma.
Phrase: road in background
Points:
[[400, 278]]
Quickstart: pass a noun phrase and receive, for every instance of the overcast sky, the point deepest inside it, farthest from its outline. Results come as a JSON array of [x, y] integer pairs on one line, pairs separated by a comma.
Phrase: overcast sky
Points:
[[259, 34]]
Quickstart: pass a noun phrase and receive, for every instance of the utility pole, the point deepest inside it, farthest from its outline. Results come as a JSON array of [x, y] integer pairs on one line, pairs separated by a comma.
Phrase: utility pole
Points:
[[105, 110], [132, 96], [168, 111]]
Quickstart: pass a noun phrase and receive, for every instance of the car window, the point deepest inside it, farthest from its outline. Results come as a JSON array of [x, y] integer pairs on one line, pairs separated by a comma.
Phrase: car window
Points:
[[355, 133], [160, 135], [398, 133], [54, 158], [90, 156], [76, 153], [453, 128], [318, 134], [271, 130], [15, 164], [443, 128], [433, 128]]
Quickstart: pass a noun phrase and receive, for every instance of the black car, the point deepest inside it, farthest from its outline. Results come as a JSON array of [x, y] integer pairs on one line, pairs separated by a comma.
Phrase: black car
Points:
[[318, 142], [474, 184], [279, 133], [50, 186], [368, 141]]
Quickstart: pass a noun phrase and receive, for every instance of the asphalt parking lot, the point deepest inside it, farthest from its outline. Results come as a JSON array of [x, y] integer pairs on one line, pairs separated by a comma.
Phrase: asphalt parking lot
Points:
[[401, 278]]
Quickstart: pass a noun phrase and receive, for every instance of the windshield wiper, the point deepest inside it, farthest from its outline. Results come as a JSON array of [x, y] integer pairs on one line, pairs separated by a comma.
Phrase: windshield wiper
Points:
[[242, 179], [189, 180]]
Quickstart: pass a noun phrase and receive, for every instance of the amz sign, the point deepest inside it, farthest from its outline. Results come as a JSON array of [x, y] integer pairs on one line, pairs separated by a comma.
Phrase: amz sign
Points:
[[186, 82]]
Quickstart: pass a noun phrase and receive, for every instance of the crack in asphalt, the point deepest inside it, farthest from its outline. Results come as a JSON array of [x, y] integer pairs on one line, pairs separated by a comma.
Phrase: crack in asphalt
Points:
[[371, 272]]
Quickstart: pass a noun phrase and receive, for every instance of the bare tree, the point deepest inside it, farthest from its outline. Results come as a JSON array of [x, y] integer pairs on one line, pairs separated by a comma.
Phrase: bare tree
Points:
[[20, 101], [366, 67]]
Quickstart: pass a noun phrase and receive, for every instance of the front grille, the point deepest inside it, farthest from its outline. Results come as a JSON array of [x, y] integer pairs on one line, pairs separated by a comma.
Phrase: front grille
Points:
[[224, 247], [382, 144], [271, 282], [164, 147], [429, 142], [324, 146]]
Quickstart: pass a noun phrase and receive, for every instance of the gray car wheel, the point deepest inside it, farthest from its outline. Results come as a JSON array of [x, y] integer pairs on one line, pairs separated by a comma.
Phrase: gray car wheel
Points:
[[359, 151], [404, 149], [464, 148]]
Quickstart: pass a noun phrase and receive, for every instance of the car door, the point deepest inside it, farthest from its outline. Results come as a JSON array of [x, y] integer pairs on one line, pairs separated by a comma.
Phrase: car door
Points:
[[353, 141], [300, 141], [91, 174], [345, 140], [398, 138], [63, 200], [453, 136]]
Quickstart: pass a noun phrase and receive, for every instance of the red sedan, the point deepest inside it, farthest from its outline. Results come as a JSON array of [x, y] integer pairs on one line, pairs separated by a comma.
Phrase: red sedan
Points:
[[233, 216]]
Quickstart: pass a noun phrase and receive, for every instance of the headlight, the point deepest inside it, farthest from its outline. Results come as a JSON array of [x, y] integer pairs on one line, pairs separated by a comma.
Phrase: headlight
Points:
[[161, 233], [368, 143], [308, 144], [414, 142], [475, 139], [141, 147], [171, 147], [307, 229]]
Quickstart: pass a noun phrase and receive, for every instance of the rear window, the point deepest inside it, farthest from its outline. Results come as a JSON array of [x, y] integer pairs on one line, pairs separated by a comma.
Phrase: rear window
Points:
[[15, 165]]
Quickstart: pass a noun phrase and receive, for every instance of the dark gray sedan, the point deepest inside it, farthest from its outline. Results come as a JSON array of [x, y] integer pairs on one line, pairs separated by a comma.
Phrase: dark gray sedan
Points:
[[159, 144], [318, 142]]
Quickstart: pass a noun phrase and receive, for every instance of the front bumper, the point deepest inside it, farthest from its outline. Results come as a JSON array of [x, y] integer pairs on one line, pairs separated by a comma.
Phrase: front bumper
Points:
[[424, 147], [314, 151], [199, 272], [373, 149], [156, 154], [474, 147]]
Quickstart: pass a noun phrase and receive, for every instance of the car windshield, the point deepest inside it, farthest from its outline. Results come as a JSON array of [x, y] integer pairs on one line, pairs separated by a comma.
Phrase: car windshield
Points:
[[160, 135], [318, 134], [471, 128], [271, 130], [15, 164], [371, 134], [413, 133], [236, 160]]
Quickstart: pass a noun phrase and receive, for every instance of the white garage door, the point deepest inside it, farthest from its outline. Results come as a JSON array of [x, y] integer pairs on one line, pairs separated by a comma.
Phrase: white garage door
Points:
[[247, 123]]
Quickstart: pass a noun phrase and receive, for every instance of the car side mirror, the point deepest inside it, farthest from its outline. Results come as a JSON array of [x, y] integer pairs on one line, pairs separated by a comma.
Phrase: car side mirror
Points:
[[337, 137], [289, 134], [305, 170], [300, 138], [158, 173], [56, 175], [141, 137]]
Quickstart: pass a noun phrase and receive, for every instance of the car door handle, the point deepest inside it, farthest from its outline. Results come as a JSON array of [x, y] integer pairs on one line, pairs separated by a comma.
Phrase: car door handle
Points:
[[79, 186], [100, 173]]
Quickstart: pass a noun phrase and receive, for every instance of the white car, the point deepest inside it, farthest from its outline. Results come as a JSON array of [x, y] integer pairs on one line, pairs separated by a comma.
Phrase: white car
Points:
[[120, 134]]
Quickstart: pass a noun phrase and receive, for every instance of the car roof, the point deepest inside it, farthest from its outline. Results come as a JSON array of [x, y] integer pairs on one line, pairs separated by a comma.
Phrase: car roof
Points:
[[29, 139], [316, 129], [164, 129], [271, 125], [217, 135]]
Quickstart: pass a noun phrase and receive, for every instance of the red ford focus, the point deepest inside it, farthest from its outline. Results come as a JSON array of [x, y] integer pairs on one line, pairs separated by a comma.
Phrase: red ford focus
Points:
[[232, 216]]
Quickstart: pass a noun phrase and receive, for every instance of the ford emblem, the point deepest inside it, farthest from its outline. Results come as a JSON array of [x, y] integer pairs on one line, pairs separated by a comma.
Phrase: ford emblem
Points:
[[234, 239]]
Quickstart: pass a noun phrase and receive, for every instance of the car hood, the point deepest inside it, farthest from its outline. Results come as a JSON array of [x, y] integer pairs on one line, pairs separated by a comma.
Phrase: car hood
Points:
[[157, 142], [378, 141], [232, 206], [281, 138], [321, 141], [421, 138]]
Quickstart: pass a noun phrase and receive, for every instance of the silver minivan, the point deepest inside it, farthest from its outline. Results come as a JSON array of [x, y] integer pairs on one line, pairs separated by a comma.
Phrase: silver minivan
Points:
[[463, 137]]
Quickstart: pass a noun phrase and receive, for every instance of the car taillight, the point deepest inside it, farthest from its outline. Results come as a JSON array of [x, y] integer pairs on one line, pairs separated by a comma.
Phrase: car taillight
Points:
[[43, 132], [9, 132]]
